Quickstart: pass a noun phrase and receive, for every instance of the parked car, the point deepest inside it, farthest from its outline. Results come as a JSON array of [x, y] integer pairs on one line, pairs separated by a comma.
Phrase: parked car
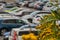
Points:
[[38, 12], [20, 32], [19, 12], [47, 7], [8, 21], [11, 9], [15, 12], [39, 16], [1, 6], [27, 3], [31, 15], [22, 4], [28, 26], [26, 16], [29, 18], [18, 4], [31, 5], [10, 5], [23, 27], [3, 2], [24, 12], [6, 35], [39, 5]]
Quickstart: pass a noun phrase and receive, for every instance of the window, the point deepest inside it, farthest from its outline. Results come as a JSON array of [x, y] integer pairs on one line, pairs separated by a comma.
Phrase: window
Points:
[[26, 13], [19, 10], [13, 21], [37, 16], [20, 21], [9, 21], [43, 12], [27, 32], [13, 9], [30, 26]]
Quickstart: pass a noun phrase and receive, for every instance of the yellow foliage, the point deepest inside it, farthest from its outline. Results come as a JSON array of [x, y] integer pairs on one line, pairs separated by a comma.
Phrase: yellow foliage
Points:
[[52, 38], [33, 37], [25, 37], [48, 30], [30, 36], [39, 26]]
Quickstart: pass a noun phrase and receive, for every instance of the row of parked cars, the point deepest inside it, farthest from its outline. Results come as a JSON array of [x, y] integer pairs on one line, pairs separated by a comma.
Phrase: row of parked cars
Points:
[[17, 17], [35, 5], [20, 24]]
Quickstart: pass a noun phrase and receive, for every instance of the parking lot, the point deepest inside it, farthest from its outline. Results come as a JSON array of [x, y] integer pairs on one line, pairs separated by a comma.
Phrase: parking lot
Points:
[[33, 19], [1, 38]]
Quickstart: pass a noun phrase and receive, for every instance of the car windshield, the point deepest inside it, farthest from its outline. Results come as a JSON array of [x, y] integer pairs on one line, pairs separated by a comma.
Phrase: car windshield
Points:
[[27, 26], [26, 13], [30, 26], [13, 21], [5, 15], [19, 10], [37, 16], [27, 32], [13, 9], [37, 12]]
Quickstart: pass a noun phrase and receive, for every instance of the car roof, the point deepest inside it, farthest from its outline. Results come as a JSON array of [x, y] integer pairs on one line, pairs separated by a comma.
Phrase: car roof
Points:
[[13, 12], [19, 9], [25, 10], [4, 16], [27, 26], [12, 9], [26, 29], [7, 18], [4, 13], [35, 12]]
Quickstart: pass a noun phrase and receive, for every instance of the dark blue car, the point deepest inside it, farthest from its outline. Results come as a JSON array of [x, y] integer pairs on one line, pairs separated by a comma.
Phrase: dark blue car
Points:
[[8, 24]]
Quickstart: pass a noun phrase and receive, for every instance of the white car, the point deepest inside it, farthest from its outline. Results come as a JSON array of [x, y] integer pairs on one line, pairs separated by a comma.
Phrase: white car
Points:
[[22, 30], [47, 7], [31, 5], [22, 4], [37, 4], [23, 12], [1, 6], [26, 17], [20, 12], [38, 16], [5, 15], [24, 27], [10, 9], [32, 15], [28, 26], [15, 12]]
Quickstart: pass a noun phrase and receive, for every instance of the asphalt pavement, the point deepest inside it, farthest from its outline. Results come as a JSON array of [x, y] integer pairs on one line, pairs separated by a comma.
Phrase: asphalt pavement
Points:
[[1, 37]]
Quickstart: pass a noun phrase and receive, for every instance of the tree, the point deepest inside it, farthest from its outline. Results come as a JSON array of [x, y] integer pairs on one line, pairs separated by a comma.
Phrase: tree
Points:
[[49, 30]]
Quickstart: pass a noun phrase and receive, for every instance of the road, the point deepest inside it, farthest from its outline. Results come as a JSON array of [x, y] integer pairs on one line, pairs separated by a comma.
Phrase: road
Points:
[[1, 38]]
